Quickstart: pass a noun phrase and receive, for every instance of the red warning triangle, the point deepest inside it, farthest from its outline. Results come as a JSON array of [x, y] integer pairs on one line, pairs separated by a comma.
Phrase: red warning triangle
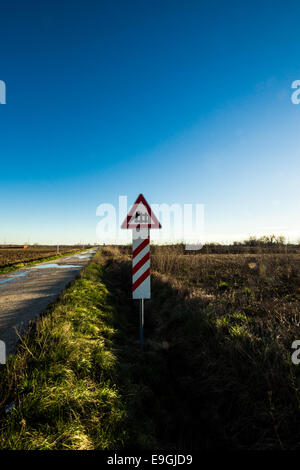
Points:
[[140, 216]]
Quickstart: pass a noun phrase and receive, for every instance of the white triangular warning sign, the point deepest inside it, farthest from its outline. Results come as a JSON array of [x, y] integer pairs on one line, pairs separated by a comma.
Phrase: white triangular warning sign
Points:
[[140, 216]]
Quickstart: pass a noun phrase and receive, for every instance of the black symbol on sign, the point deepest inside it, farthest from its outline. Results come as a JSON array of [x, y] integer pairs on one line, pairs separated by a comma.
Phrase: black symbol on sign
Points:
[[142, 218]]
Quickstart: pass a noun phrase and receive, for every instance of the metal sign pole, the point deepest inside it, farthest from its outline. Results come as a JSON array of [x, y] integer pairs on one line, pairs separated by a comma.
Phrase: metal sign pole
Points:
[[142, 323], [140, 219]]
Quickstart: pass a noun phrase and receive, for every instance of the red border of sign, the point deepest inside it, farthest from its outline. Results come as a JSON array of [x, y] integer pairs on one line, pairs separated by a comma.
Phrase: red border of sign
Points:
[[141, 199]]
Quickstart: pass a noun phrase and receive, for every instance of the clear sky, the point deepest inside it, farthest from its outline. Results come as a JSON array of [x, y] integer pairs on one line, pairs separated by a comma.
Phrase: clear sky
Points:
[[185, 101]]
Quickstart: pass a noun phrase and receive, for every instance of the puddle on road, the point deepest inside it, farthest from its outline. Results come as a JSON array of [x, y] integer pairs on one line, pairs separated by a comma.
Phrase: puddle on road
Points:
[[14, 277], [84, 255], [53, 265]]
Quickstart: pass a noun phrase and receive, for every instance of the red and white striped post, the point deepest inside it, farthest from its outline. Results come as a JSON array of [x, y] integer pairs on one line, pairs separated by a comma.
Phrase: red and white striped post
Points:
[[141, 272], [141, 264], [141, 219]]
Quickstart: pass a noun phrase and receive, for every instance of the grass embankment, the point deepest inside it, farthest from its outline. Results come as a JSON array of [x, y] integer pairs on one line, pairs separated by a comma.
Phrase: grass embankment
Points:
[[60, 380], [33, 262], [216, 371]]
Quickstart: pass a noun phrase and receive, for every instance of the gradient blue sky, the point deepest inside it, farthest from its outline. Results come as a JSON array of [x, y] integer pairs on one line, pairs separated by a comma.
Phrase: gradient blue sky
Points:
[[184, 101]]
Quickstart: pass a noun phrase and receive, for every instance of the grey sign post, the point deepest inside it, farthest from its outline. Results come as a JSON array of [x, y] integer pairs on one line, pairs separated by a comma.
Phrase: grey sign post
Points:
[[2, 352]]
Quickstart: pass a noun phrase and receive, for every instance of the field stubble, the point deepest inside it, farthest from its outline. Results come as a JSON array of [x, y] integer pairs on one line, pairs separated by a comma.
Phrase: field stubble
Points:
[[224, 325]]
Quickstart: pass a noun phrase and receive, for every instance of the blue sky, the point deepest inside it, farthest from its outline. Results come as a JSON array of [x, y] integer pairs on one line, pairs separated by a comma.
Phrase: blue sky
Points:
[[184, 101]]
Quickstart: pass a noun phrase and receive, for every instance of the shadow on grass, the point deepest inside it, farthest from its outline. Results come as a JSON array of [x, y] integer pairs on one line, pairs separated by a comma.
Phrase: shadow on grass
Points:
[[202, 382]]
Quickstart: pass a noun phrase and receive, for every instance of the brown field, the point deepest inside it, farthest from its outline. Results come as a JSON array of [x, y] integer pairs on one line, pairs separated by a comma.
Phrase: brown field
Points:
[[222, 326], [11, 256]]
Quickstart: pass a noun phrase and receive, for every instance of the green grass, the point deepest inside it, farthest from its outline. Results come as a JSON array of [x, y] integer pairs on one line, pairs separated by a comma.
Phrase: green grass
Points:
[[61, 379]]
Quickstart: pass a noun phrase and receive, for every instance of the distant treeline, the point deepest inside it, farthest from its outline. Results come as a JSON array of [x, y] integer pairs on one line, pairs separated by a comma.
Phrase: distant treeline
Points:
[[240, 248], [265, 244]]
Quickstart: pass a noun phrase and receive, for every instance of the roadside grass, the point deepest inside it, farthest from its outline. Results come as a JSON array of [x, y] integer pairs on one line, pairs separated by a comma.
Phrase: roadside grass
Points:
[[25, 264], [61, 379]]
